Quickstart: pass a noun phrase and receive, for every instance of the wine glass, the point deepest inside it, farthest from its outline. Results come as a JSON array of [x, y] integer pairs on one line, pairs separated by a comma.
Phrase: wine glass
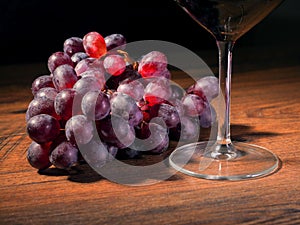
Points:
[[223, 159]]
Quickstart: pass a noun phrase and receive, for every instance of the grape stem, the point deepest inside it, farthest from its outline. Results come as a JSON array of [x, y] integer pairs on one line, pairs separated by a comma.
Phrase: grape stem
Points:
[[128, 59]]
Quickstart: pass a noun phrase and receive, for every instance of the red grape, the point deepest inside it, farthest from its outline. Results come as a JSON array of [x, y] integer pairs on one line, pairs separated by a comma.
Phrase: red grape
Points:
[[153, 64], [94, 44], [114, 64], [157, 91]]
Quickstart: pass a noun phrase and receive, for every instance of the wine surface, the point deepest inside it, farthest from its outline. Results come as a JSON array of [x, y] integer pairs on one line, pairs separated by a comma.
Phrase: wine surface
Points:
[[227, 20]]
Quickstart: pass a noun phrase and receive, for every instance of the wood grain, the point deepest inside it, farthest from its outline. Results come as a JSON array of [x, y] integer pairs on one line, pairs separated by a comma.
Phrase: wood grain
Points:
[[265, 111]]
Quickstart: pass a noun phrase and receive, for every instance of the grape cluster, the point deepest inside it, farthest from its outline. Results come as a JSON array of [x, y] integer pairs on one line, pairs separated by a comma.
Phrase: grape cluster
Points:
[[98, 98]]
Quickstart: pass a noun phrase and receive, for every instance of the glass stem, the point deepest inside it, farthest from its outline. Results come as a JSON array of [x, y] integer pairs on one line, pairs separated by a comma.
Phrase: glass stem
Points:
[[225, 66]]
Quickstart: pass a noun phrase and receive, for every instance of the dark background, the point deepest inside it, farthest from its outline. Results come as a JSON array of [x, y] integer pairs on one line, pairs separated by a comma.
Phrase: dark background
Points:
[[31, 30]]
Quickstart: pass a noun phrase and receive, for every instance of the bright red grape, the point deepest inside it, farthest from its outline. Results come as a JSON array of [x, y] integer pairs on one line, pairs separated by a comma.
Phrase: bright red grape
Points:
[[94, 44]]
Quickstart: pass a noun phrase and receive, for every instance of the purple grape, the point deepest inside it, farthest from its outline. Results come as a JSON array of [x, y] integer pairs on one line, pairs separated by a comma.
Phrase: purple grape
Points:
[[115, 41], [79, 130], [64, 77], [86, 84], [125, 106], [38, 155], [58, 140], [116, 131], [193, 105], [207, 117], [43, 128], [41, 106], [95, 153], [167, 112], [179, 107], [77, 57], [162, 146], [43, 103], [153, 64], [57, 59], [151, 138], [41, 82], [186, 130], [84, 65], [73, 45], [99, 74], [27, 116], [177, 92], [136, 117], [133, 88], [89, 64], [112, 151], [47, 92], [208, 85], [63, 103], [95, 105], [64, 156]]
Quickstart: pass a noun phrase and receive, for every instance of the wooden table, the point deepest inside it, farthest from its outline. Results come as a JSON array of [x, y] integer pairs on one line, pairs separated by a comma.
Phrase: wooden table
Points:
[[265, 111]]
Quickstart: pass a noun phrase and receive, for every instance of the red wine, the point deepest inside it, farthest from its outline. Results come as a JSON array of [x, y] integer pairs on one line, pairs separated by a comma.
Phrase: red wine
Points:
[[227, 20]]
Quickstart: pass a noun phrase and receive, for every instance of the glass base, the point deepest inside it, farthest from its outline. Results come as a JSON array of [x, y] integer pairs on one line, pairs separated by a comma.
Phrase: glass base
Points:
[[236, 161]]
